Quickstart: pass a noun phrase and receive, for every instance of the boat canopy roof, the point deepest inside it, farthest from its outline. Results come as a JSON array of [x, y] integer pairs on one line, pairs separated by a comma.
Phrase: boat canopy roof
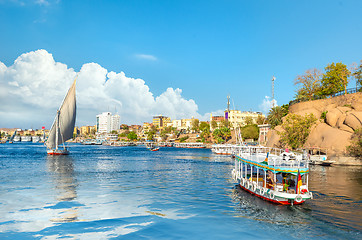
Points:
[[276, 169]]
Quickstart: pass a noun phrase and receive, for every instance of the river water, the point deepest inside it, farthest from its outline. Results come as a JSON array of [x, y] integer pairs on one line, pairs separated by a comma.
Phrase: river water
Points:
[[103, 192]]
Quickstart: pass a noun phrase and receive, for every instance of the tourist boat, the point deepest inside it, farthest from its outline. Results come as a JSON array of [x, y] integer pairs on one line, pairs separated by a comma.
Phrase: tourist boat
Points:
[[273, 174], [224, 149], [63, 125], [26, 138], [318, 156], [35, 139]]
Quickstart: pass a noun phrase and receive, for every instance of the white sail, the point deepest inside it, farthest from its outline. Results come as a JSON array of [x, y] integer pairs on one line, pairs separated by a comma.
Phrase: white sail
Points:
[[67, 114]]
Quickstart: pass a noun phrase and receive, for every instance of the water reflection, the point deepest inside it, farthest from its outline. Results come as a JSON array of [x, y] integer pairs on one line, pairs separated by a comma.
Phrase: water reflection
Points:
[[336, 206], [62, 168]]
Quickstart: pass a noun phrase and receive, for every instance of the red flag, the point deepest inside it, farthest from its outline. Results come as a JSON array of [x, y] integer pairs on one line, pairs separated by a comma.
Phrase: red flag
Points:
[[299, 182], [43, 127]]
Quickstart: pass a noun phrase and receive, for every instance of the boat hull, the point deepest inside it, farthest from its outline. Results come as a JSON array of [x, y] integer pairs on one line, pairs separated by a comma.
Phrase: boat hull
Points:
[[282, 202], [58, 152]]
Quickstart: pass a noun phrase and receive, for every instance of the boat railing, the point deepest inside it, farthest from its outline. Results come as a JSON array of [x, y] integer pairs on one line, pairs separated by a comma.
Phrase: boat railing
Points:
[[274, 156]]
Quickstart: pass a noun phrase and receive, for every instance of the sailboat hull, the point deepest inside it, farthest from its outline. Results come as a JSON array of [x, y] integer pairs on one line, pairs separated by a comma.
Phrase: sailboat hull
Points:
[[57, 152]]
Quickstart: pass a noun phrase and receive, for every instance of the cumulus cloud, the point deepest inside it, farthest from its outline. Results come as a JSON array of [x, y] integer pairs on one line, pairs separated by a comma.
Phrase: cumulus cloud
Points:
[[34, 86], [267, 104], [146, 57]]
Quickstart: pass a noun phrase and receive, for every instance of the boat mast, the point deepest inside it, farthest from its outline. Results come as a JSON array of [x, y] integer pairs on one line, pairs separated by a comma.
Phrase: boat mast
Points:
[[57, 130]]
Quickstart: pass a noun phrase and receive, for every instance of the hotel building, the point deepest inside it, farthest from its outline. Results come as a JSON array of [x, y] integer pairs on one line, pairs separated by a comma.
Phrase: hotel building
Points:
[[106, 122]]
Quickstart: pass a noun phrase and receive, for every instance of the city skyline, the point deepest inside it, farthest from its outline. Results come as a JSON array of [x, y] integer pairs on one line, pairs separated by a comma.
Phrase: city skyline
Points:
[[180, 59]]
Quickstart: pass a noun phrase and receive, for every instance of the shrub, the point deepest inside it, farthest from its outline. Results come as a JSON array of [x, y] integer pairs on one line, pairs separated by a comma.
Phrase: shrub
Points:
[[324, 115], [183, 139], [297, 129], [355, 149]]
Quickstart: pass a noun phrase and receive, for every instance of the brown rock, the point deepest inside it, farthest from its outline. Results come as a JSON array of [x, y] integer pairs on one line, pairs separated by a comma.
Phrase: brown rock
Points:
[[340, 120], [273, 137], [325, 136], [346, 128], [344, 109], [332, 116], [354, 120]]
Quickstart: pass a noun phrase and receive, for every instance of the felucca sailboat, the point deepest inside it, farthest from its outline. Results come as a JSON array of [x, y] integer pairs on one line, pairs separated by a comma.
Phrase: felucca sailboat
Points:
[[63, 125]]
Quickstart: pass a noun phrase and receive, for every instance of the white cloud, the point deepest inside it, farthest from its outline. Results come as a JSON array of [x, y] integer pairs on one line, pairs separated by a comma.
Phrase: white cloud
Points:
[[34, 86], [267, 104], [146, 57]]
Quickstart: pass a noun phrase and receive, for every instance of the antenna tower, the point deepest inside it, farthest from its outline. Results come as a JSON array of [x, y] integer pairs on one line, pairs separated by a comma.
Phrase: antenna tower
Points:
[[273, 78], [228, 103]]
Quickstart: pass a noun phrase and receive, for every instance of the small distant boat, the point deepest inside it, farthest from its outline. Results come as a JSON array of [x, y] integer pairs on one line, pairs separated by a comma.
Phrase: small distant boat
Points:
[[152, 146], [63, 125], [11, 140], [153, 149]]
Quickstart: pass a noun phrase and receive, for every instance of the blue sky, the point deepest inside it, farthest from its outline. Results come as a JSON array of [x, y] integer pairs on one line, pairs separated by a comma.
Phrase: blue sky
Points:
[[208, 49]]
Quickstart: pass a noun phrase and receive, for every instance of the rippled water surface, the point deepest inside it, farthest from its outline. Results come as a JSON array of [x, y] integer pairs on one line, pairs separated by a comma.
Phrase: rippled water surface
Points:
[[102, 192]]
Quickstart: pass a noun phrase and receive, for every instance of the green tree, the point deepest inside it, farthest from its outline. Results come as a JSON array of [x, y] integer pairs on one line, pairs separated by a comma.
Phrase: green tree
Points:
[[276, 114], [310, 84], [132, 136], [114, 131], [357, 74], [221, 134], [296, 130], [250, 131], [213, 124], [204, 126], [335, 79], [205, 130], [355, 149], [260, 120], [248, 120], [150, 135], [195, 125], [224, 123]]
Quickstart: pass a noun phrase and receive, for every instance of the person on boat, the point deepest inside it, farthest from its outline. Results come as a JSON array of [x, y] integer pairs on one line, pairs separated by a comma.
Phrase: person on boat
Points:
[[270, 180], [285, 184]]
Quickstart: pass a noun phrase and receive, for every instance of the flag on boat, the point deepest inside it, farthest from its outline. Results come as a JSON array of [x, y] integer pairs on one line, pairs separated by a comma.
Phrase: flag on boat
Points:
[[299, 184], [266, 159]]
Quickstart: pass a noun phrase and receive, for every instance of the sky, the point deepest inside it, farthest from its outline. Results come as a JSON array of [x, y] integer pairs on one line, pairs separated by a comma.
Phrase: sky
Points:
[[176, 58]]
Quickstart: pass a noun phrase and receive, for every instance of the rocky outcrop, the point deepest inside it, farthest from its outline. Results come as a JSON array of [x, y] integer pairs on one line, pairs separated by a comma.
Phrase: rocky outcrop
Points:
[[324, 136], [343, 115], [273, 137], [354, 120]]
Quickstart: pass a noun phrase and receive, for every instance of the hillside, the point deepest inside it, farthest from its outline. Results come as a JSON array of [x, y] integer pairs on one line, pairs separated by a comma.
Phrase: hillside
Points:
[[343, 115]]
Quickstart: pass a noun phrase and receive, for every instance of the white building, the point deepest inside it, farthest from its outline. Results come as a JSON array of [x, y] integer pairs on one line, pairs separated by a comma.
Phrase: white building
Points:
[[106, 122], [237, 118]]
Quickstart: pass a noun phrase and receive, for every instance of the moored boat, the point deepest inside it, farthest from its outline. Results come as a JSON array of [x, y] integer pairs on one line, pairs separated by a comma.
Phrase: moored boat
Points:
[[224, 149], [273, 174], [63, 125], [189, 145]]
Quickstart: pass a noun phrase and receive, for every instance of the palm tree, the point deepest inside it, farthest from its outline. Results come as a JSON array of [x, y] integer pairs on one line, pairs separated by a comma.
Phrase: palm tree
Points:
[[275, 115]]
